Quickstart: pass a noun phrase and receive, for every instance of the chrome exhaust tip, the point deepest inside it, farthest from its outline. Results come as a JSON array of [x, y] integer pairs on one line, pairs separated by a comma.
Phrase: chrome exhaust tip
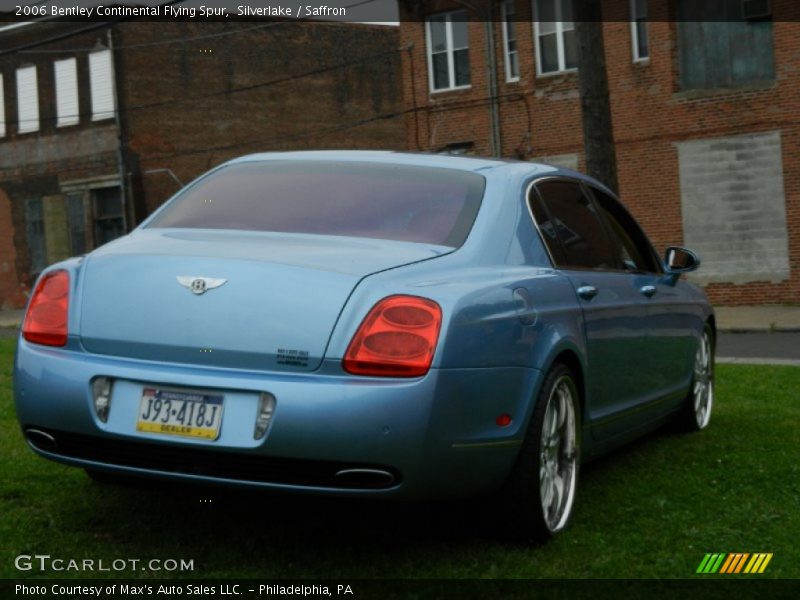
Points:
[[41, 439], [365, 478]]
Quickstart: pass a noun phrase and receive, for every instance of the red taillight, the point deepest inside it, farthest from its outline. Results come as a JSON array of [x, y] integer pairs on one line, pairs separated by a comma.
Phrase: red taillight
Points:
[[397, 338], [46, 319]]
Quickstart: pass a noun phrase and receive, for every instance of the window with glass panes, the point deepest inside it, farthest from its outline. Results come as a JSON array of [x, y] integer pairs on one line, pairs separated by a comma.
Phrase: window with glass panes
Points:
[[109, 223], [510, 41], [448, 50], [554, 30], [641, 50]]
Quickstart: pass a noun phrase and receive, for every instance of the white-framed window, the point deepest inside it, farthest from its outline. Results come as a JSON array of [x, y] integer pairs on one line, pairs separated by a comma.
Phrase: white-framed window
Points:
[[641, 48], [510, 40], [448, 51], [66, 73], [554, 32], [2, 108], [101, 82], [27, 100]]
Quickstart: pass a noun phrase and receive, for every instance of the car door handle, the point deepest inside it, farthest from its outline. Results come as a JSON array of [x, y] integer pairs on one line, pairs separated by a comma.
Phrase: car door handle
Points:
[[587, 292], [648, 290]]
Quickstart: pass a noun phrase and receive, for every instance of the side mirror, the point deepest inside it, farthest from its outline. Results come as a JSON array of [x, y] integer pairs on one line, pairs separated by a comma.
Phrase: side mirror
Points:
[[679, 260]]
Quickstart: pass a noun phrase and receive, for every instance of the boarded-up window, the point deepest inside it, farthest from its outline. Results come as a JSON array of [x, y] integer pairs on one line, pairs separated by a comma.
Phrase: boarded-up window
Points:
[[27, 100], [2, 108], [101, 80], [56, 233], [719, 48], [34, 226], [66, 72], [734, 209]]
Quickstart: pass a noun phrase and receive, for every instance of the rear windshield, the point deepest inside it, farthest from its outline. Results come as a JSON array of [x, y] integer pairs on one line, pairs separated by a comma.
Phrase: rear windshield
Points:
[[371, 200]]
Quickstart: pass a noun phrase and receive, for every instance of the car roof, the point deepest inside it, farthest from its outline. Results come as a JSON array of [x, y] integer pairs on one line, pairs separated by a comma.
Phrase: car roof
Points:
[[463, 163]]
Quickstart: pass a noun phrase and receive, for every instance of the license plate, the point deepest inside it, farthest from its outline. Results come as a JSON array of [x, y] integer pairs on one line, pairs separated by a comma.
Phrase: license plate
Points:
[[186, 413]]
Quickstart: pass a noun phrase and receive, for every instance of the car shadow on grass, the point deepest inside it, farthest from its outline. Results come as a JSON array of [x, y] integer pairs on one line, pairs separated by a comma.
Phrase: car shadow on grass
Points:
[[243, 532], [267, 522]]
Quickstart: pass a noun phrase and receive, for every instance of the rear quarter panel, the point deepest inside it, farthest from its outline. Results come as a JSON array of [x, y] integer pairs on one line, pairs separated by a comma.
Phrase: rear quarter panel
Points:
[[503, 308]]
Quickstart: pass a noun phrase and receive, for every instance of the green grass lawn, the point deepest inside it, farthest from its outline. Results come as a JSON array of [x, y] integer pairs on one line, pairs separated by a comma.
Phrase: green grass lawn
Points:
[[652, 509]]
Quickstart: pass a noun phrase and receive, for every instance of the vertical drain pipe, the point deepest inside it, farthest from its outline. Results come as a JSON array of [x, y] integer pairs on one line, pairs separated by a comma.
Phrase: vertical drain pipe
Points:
[[123, 180], [495, 142]]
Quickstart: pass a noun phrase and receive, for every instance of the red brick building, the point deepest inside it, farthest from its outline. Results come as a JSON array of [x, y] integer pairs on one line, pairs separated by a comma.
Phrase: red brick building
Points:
[[703, 105], [100, 124]]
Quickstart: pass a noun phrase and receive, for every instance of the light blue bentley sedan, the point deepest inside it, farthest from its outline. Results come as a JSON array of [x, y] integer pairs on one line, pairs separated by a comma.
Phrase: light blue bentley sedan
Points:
[[372, 324]]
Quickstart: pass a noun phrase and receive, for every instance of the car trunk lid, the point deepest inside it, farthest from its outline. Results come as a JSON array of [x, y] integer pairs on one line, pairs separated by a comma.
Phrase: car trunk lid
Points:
[[275, 310]]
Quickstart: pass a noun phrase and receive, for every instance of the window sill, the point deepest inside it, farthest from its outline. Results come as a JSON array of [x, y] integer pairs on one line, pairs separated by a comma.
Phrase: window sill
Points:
[[512, 80], [562, 73], [452, 89], [641, 62], [700, 94]]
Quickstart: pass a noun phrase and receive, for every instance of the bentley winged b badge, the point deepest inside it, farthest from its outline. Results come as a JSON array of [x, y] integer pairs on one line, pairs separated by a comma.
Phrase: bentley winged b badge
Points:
[[199, 285]]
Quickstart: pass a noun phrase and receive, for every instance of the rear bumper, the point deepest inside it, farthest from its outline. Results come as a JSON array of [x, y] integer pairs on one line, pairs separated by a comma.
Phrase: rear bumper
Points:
[[435, 435]]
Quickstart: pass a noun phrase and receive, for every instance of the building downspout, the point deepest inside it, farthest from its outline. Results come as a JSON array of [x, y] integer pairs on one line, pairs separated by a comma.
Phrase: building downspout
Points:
[[123, 178], [495, 141]]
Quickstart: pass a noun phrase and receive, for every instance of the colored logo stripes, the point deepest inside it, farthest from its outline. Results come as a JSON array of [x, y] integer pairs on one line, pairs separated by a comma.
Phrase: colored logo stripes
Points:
[[735, 562]]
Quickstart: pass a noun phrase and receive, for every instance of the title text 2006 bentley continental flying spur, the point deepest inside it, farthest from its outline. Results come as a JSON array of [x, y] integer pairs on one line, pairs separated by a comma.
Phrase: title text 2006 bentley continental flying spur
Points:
[[369, 324]]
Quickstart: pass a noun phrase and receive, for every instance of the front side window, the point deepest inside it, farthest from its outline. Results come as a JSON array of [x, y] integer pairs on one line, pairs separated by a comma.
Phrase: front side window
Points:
[[448, 51], [554, 30], [724, 44], [641, 50], [632, 247], [571, 228], [510, 41], [366, 200]]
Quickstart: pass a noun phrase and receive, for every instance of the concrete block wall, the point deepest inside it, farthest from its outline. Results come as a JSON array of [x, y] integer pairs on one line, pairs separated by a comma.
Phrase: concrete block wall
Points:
[[734, 213]]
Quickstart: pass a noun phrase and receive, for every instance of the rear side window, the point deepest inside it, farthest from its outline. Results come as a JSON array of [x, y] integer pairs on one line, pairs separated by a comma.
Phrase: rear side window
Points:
[[370, 200], [571, 227]]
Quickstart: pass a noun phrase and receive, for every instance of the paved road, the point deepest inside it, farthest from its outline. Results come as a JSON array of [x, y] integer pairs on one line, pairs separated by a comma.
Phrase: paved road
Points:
[[779, 345]]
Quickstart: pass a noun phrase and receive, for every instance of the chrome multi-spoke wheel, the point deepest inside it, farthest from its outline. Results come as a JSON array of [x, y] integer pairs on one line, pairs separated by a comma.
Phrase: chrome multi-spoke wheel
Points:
[[703, 382], [540, 492], [557, 457], [696, 412]]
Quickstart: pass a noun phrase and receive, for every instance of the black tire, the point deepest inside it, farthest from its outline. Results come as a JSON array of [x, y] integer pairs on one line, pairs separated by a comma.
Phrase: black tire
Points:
[[696, 411], [533, 479]]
